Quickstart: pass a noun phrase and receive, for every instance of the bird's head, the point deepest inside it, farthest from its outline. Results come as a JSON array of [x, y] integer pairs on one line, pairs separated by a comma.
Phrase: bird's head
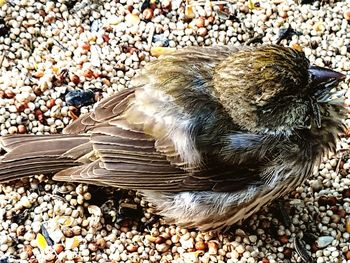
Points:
[[274, 89]]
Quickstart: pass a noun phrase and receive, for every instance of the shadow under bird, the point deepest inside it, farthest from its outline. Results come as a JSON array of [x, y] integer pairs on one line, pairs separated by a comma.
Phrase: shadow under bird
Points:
[[209, 135]]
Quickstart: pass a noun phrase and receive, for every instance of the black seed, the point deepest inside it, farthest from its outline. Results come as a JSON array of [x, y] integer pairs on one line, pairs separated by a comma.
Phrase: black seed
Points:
[[78, 98], [45, 233], [145, 4], [287, 33], [4, 29]]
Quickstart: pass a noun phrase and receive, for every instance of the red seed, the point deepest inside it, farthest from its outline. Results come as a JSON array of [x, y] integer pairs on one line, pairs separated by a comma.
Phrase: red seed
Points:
[[105, 38], [202, 31], [50, 19], [39, 115], [287, 252], [314, 247], [346, 193], [327, 200], [80, 29], [200, 245], [347, 255], [101, 243], [166, 4], [159, 240], [130, 8], [200, 22], [347, 15], [59, 248], [28, 249], [341, 213], [50, 103], [9, 94], [283, 239], [86, 46], [20, 106], [22, 129], [211, 19], [42, 12], [75, 79], [147, 14], [88, 73], [131, 248]]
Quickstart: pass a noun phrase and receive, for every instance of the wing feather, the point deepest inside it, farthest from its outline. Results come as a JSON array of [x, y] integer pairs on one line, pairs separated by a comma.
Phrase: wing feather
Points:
[[131, 146]]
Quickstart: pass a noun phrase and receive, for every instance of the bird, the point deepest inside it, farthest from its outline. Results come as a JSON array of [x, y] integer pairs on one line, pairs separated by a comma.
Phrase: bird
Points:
[[208, 135]]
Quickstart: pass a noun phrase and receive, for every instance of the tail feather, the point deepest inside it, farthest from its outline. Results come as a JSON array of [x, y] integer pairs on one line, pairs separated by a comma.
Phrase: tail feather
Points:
[[78, 152], [49, 147], [10, 142], [28, 155]]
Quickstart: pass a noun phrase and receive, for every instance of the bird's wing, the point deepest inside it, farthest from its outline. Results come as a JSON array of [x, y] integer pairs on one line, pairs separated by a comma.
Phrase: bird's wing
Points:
[[139, 135]]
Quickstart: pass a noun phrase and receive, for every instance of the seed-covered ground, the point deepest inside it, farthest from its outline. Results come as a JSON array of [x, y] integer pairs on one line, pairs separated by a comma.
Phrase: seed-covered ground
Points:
[[60, 57]]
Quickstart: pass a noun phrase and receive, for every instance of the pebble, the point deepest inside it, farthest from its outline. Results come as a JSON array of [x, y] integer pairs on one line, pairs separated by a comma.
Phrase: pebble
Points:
[[324, 241]]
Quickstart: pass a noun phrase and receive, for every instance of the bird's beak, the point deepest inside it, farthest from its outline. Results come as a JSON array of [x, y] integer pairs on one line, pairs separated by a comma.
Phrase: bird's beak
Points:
[[324, 76], [322, 80]]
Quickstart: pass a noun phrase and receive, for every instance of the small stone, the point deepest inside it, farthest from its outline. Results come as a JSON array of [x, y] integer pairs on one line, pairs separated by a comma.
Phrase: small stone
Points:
[[324, 241]]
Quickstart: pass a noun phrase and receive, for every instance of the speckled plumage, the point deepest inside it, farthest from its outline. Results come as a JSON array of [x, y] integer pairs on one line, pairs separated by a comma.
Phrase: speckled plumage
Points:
[[209, 135]]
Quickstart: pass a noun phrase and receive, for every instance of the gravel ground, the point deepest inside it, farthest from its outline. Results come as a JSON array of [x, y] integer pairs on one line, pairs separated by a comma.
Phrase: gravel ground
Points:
[[60, 57]]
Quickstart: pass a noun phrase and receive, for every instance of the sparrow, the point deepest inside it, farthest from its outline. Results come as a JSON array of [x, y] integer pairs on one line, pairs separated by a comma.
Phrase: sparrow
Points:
[[208, 135]]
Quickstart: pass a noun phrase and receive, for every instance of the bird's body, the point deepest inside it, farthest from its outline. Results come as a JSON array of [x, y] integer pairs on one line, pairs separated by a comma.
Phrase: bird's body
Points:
[[208, 135]]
